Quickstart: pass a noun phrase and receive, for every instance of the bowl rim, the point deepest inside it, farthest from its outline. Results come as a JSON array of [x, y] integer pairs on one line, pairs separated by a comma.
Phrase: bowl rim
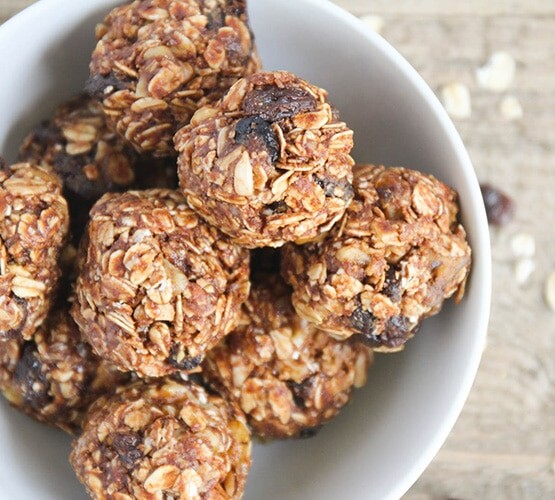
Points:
[[480, 247]]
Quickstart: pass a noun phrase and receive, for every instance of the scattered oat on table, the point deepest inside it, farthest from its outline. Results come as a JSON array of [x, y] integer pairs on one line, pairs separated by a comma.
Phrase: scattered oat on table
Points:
[[511, 109], [498, 73], [549, 291], [523, 245], [374, 22], [456, 100], [524, 267]]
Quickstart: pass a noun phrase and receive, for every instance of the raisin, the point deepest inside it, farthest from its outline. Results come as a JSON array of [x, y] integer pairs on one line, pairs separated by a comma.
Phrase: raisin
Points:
[[96, 86], [327, 186], [278, 207], [252, 130], [216, 17], [126, 446], [179, 359], [309, 432], [500, 209], [392, 284], [395, 334], [273, 103], [363, 321], [29, 376], [300, 391]]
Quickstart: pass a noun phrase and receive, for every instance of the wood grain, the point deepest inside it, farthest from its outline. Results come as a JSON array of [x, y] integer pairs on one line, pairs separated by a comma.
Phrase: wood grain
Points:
[[503, 446]]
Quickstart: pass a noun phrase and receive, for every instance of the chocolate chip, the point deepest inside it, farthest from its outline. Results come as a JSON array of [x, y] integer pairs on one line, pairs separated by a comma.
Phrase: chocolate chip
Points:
[[98, 86], [3, 165], [392, 285], [395, 334], [273, 103], [126, 446], [29, 377], [252, 130], [500, 209], [363, 321], [178, 358], [309, 432]]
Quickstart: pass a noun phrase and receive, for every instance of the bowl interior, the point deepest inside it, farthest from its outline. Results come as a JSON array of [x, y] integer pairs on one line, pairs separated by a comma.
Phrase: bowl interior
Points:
[[383, 441]]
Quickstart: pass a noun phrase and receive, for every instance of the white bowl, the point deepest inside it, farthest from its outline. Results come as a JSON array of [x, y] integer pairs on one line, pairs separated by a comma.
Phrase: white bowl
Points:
[[385, 439]]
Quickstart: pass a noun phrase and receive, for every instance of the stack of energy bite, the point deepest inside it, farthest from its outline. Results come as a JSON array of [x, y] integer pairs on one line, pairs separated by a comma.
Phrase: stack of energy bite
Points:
[[189, 254]]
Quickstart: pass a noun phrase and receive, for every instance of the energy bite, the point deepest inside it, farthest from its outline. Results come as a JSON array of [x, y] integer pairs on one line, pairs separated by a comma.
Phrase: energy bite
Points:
[[269, 163], [158, 286], [89, 158], [163, 439], [392, 261], [287, 376], [33, 229], [54, 377], [158, 61]]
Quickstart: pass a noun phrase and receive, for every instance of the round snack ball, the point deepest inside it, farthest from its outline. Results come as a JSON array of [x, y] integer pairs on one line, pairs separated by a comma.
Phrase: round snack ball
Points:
[[89, 158], [393, 260], [33, 229], [163, 439], [158, 61], [269, 163], [54, 377], [158, 286], [286, 375]]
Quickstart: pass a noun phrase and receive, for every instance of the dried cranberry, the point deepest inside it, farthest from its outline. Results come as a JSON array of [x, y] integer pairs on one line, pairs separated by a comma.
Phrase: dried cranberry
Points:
[[500, 209]]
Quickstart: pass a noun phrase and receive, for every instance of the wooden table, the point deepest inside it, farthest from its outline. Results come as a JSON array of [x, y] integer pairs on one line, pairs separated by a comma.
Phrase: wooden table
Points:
[[503, 446]]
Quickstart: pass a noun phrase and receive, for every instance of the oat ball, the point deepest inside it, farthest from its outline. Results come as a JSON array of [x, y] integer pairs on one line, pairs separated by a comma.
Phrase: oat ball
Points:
[[157, 61], [33, 228], [54, 377], [90, 159], [392, 261], [269, 163], [158, 286], [286, 375], [163, 439]]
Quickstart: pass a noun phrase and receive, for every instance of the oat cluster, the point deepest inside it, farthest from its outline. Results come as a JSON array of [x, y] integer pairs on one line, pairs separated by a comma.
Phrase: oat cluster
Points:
[[392, 261], [34, 224], [269, 163], [286, 375], [158, 287], [157, 61], [164, 439], [54, 376]]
